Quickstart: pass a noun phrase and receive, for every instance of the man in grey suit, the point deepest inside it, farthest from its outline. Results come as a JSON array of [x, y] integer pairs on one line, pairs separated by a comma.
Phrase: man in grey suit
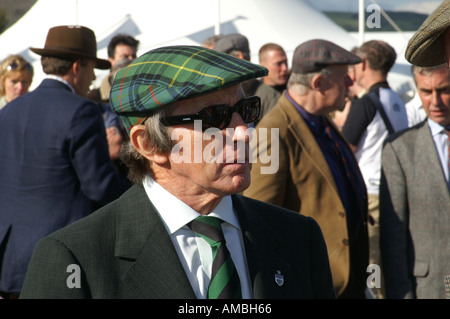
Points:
[[415, 197], [182, 231]]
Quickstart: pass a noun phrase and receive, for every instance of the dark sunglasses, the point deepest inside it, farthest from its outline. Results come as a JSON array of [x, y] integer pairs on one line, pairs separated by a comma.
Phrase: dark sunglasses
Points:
[[219, 116], [13, 66]]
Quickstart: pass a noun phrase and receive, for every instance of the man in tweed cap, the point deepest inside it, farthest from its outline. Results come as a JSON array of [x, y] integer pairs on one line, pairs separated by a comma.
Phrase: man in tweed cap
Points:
[[154, 241], [318, 175]]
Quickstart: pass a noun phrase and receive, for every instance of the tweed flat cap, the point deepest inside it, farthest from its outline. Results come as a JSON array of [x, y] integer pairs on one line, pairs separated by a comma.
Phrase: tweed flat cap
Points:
[[426, 47], [314, 55], [169, 74]]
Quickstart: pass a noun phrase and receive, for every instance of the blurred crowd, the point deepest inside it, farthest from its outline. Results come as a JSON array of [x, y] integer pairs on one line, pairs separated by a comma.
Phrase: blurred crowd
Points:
[[372, 170]]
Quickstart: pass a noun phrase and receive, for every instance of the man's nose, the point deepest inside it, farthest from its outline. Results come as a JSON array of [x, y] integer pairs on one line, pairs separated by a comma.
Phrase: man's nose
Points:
[[240, 128]]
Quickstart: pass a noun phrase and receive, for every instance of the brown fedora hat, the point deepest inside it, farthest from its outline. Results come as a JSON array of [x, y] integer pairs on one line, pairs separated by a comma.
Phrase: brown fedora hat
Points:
[[72, 42]]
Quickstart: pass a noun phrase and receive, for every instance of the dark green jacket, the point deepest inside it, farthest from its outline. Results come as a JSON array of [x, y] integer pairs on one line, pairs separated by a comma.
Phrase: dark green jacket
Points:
[[124, 251]]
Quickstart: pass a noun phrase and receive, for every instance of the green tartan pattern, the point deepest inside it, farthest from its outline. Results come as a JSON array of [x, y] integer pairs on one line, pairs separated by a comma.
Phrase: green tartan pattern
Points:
[[169, 74]]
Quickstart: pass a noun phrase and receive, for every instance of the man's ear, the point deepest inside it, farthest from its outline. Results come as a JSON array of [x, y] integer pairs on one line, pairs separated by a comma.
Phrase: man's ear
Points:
[[364, 64], [316, 82], [76, 67], [142, 144]]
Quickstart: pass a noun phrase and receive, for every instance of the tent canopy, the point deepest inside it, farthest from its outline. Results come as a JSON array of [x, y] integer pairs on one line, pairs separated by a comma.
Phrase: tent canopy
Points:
[[173, 22]]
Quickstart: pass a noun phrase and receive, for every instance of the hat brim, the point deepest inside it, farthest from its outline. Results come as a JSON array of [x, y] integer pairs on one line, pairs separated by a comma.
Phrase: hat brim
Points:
[[58, 53], [426, 47]]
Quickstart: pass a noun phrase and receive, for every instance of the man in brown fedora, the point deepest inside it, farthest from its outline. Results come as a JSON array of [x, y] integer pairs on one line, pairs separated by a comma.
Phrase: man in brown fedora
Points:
[[54, 165]]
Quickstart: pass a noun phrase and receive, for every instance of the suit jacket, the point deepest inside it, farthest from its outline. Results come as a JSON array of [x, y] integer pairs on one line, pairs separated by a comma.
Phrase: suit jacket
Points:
[[414, 216], [124, 251], [304, 183], [54, 169]]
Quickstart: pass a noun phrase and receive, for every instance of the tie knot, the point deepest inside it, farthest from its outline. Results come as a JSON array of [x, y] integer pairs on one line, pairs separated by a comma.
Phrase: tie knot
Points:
[[208, 227]]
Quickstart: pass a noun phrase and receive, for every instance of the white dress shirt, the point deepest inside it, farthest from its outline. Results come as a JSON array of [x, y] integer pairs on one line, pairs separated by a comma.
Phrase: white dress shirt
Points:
[[194, 252], [440, 141]]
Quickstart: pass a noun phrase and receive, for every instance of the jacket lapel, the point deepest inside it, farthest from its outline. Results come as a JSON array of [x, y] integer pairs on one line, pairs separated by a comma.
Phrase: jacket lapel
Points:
[[149, 263], [261, 243], [305, 138], [428, 157]]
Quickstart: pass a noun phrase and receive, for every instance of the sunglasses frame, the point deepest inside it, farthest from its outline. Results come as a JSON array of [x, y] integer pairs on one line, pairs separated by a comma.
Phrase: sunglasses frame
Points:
[[13, 66], [225, 110]]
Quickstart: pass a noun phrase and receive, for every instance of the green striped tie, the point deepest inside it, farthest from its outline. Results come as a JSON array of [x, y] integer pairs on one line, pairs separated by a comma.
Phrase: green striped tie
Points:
[[225, 283]]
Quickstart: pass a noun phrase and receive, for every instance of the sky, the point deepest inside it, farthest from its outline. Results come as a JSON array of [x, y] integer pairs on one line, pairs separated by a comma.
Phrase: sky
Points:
[[419, 6]]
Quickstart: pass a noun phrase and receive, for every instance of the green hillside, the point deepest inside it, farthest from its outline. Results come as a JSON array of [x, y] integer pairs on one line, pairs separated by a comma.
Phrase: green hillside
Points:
[[406, 21]]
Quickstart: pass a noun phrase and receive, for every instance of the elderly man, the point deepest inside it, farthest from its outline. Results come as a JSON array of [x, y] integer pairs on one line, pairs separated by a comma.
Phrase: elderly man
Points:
[[165, 237], [415, 198], [318, 175]]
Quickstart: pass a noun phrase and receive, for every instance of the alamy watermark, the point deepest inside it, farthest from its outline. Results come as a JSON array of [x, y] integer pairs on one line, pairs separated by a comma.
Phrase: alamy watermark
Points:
[[223, 148], [374, 18], [374, 279], [74, 279]]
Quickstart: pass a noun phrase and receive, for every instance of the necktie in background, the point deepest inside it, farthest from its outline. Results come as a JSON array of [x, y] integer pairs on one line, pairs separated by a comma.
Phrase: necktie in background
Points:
[[447, 131], [225, 283]]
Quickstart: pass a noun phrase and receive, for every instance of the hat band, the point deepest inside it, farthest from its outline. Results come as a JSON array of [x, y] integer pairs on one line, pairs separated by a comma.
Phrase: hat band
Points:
[[70, 50]]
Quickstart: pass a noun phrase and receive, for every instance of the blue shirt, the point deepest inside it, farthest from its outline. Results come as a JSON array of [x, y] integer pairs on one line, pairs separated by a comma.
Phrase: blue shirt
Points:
[[440, 141]]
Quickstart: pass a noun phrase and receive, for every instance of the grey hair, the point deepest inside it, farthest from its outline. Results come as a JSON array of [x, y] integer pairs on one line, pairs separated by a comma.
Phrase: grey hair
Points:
[[300, 83], [157, 138], [426, 70]]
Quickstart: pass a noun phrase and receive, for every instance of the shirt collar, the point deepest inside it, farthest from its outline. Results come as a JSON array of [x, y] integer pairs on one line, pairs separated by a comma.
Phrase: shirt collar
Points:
[[175, 214], [435, 128], [315, 120], [60, 79]]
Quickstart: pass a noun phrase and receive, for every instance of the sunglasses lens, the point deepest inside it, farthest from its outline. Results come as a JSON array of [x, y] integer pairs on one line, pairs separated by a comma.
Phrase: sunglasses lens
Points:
[[217, 116], [249, 109]]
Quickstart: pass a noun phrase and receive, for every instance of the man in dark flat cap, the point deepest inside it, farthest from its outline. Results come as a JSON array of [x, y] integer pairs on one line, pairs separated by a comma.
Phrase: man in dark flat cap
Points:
[[55, 166], [237, 45], [182, 231], [318, 175], [430, 45], [234, 44]]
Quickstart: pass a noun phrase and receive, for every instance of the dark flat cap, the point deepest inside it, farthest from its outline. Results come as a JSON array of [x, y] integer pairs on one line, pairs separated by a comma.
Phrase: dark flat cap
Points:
[[231, 42], [314, 55], [426, 47], [169, 74]]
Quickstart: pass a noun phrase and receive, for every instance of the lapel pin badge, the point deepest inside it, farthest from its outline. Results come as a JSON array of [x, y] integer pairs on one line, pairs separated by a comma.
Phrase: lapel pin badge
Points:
[[279, 278]]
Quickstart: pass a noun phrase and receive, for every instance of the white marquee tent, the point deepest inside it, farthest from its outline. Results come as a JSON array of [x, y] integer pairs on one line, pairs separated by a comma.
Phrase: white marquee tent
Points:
[[172, 22]]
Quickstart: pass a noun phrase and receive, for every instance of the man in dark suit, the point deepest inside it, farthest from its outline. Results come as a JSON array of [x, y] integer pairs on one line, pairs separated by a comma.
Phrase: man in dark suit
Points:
[[187, 118], [54, 164]]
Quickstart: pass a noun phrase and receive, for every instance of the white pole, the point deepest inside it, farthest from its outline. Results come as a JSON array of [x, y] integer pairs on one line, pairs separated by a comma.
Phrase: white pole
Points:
[[217, 26], [361, 21], [77, 22]]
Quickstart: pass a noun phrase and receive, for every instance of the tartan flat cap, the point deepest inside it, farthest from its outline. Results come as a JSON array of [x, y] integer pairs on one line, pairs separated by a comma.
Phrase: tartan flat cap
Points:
[[426, 47], [169, 74], [314, 55]]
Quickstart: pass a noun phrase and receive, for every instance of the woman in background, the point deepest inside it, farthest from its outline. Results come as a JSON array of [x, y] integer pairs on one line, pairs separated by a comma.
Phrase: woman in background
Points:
[[16, 75]]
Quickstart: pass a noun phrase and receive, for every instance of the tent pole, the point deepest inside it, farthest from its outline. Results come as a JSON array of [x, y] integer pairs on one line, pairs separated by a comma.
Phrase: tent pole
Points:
[[217, 27], [361, 22]]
